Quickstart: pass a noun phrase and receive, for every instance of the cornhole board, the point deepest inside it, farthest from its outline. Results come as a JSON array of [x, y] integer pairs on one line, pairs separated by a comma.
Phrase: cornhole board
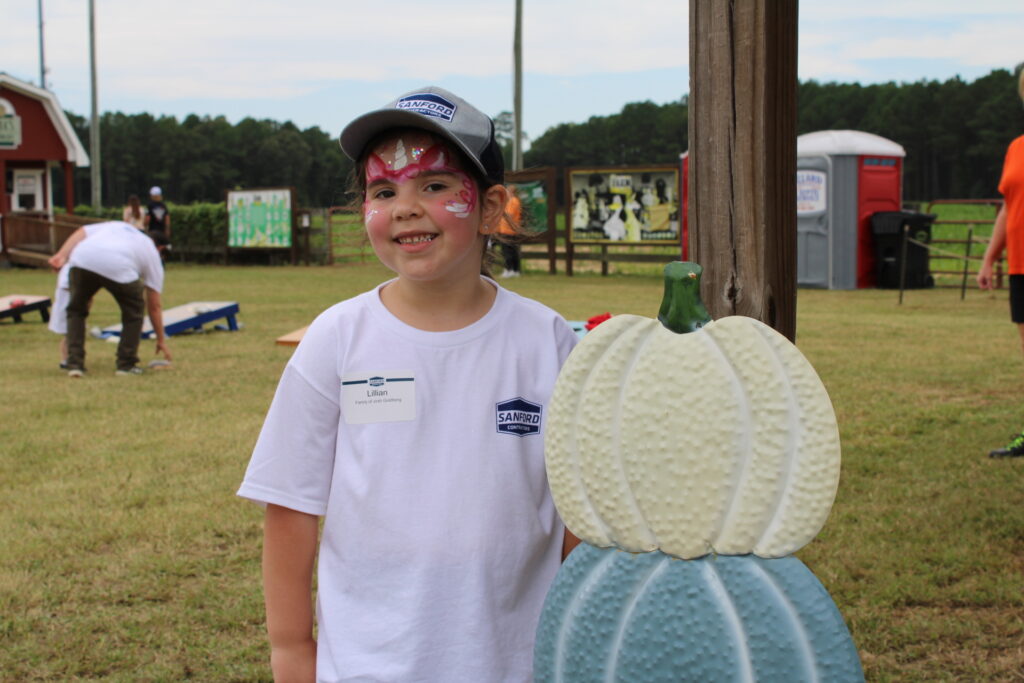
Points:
[[185, 318], [293, 338], [26, 303]]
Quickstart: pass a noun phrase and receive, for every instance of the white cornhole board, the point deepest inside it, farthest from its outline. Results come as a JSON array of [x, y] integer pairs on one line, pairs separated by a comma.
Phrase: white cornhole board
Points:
[[185, 318]]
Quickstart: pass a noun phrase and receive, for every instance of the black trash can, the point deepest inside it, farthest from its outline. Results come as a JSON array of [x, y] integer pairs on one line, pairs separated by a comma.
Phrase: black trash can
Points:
[[887, 234]]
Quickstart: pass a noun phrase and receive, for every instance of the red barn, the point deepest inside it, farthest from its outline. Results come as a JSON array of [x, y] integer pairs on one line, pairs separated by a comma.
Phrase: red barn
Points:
[[35, 137]]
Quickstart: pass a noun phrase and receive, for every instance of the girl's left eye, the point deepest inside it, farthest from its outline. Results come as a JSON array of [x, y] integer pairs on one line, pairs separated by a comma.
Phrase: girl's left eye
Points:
[[436, 186]]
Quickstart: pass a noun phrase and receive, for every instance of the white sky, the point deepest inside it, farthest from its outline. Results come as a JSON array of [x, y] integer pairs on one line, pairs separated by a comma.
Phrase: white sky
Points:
[[323, 63]]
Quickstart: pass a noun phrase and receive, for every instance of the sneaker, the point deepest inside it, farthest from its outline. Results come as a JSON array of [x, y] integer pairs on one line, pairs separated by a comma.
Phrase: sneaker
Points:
[[76, 372], [64, 365], [130, 371], [1014, 449]]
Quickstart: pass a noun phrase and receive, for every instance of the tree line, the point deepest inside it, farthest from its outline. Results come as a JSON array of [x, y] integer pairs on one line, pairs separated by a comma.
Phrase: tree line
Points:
[[955, 134], [199, 158]]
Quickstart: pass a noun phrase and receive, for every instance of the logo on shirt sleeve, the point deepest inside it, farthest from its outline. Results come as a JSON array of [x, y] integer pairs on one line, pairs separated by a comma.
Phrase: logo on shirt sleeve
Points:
[[518, 417]]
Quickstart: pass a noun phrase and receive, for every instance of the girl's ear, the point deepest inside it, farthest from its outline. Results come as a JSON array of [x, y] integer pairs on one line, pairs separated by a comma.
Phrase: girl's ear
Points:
[[493, 205]]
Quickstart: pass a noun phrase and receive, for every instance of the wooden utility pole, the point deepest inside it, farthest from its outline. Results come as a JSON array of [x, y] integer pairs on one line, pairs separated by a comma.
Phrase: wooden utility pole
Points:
[[742, 177]]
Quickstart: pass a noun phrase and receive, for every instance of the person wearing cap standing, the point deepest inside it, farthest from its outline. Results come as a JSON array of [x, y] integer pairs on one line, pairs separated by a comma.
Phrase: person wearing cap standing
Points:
[[158, 218], [411, 419]]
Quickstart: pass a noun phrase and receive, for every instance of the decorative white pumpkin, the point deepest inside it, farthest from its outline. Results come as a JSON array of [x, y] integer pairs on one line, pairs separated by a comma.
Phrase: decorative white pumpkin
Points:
[[717, 440]]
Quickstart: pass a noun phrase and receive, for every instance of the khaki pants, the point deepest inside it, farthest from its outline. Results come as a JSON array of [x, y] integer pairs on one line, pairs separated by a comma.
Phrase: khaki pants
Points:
[[130, 296]]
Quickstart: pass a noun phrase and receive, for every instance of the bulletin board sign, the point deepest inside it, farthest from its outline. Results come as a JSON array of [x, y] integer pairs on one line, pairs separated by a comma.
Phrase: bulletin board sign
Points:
[[261, 218], [536, 191], [623, 205]]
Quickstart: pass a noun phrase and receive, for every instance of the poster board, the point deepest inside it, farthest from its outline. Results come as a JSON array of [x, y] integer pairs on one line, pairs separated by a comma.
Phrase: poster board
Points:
[[261, 218], [623, 205], [536, 190]]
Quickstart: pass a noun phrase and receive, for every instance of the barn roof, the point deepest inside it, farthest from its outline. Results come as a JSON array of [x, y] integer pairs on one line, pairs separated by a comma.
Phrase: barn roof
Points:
[[836, 142], [75, 152]]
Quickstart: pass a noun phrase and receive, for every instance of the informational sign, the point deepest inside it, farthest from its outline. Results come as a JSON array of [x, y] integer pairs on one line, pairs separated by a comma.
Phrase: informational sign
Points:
[[639, 205], [260, 218], [811, 192]]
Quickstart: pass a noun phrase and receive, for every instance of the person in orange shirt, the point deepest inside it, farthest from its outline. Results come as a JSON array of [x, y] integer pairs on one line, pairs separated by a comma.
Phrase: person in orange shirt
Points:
[[509, 249], [1008, 234]]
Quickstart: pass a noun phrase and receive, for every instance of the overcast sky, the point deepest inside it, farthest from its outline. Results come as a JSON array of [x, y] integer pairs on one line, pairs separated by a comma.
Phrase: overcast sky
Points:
[[323, 63]]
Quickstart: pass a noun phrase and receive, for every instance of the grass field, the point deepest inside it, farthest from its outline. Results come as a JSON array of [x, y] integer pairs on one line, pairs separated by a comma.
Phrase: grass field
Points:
[[125, 556]]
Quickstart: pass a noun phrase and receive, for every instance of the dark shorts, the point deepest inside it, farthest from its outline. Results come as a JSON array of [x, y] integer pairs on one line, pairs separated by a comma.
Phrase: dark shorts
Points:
[[1017, 299]]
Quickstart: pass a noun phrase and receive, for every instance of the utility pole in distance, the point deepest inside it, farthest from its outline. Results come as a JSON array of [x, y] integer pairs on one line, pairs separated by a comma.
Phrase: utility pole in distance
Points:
[[94, 122], [517, 96], [42, 59]]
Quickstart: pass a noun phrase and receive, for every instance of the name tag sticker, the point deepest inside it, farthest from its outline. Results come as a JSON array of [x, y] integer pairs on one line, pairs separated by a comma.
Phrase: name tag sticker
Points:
[[385, 397]]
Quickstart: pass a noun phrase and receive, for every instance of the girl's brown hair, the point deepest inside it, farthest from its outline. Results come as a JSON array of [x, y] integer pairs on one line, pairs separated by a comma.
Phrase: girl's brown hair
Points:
[[133, 204]]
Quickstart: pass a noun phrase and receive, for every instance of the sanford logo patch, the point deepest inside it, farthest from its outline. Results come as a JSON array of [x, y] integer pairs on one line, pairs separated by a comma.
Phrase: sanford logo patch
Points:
[[429, 105], [518, 416]]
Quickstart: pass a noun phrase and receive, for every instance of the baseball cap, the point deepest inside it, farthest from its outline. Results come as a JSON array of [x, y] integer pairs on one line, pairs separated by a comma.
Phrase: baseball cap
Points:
[[155, 190], [439, 111]]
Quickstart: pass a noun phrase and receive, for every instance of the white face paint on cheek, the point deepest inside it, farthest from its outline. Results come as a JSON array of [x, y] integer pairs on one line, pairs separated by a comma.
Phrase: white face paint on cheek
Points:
[[464, 205], [369, 215]]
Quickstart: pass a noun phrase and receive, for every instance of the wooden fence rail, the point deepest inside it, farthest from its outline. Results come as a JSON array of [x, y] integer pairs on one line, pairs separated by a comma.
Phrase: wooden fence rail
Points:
[[963, 252], [30, 239]]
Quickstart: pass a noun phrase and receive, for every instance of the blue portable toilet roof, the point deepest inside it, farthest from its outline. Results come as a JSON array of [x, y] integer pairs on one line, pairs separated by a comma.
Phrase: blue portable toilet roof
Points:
[[853, 142]]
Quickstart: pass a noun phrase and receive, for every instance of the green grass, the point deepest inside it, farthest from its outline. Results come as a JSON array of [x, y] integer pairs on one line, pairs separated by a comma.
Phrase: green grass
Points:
[[125, 556]]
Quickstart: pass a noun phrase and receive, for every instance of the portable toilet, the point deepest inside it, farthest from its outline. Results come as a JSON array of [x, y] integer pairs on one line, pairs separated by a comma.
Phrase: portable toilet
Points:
[[842, 178]]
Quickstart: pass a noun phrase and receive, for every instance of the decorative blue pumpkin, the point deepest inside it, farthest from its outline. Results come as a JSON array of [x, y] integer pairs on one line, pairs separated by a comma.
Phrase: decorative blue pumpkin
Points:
[[618, 616]]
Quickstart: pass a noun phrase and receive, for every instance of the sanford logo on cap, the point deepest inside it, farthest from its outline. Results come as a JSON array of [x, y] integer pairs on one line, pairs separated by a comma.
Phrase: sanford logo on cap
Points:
[[428, 104], [518, 416]]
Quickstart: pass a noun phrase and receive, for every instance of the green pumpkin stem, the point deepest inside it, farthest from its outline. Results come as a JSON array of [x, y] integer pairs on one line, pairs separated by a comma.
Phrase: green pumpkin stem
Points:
[[682, 310]]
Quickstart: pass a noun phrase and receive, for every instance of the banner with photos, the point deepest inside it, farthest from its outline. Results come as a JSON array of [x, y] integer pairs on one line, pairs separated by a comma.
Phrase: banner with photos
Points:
[[639, 205]]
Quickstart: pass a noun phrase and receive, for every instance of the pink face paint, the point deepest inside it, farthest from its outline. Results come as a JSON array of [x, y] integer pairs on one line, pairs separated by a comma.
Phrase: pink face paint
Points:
[[403, 159]]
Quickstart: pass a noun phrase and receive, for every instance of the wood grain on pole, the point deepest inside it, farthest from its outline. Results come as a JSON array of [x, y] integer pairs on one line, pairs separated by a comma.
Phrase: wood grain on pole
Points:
[[742, 180]]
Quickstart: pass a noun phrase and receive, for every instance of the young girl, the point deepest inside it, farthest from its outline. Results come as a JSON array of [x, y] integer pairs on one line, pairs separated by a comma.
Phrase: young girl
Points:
[[411, 419]]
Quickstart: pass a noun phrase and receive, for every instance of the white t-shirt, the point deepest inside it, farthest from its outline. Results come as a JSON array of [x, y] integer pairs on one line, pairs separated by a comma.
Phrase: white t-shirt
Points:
[[119, 252], [424, 452]]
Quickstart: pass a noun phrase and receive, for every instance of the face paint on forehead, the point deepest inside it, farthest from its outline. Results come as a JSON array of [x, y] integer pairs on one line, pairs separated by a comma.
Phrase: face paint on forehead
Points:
[[407, 156], [403, 158]]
